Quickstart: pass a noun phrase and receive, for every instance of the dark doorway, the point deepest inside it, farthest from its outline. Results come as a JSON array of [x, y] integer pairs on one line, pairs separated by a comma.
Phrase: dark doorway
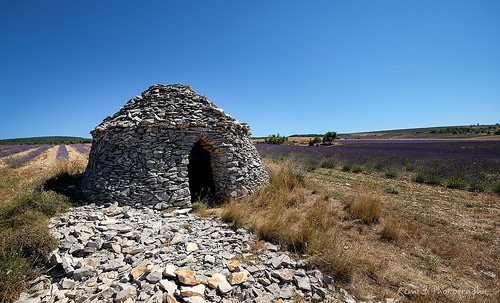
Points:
[[201, 181]]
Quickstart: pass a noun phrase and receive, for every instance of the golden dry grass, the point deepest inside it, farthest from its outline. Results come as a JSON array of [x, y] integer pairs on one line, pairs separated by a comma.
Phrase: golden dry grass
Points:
[[294, 213], [27, 202], [375, 242]]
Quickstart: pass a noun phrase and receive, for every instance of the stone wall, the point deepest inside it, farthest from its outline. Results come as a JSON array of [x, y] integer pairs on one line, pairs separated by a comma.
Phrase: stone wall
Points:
[[140, 155]]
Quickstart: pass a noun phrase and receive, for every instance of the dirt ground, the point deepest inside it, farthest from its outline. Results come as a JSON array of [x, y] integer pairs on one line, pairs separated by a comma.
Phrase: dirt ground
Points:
[[448, 248]]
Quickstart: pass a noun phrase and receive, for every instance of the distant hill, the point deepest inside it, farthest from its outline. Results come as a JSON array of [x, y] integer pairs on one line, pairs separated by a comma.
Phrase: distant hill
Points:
[[439, 132], [45, 140]]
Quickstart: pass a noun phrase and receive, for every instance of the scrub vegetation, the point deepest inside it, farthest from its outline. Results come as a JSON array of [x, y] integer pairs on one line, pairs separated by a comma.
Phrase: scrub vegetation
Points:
[[377, 232], [28, 199]]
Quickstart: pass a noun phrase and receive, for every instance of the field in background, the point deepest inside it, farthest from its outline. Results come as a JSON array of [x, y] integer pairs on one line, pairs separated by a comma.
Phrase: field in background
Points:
[[357, 211], [31, 180], [471, 165], [379, 234], [467, 132]]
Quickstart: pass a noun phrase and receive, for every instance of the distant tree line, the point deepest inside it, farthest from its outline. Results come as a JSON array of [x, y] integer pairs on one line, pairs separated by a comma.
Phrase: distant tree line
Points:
[[56, 140], [327, 139], [467, 130], [275, 139]]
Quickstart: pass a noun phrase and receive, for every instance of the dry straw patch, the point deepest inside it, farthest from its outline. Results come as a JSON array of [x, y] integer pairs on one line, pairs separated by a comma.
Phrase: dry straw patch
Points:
[[365, 206], [29, 198], [299, 215]]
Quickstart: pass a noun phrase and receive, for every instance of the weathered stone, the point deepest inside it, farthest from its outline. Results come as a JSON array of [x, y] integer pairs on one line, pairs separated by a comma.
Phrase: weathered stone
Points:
[[198, 290], [285, 275], [176, 239], [171, 299], [224, 287], [83, 272], [157, 131], [124, 294], [215, 280], [135, 250], [287, 292], [194, 299], [232, 264], [237, 277], [187, 277], [138, 271], [191, 247], [169, 271], [154, 277], [116, 248], [209, 259], [154, 269], [303, 283], [66, 283], [265, 298], [169, 286]]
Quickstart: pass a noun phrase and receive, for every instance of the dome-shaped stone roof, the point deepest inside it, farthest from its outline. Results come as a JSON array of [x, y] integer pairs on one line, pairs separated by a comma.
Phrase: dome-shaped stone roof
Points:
[[169, 147]]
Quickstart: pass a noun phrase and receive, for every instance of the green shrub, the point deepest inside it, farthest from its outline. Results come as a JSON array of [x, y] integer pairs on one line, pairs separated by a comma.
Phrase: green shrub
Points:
[[427, 178], [315, 141], [329, 137], [455, 182], [275, 139], [346, 167], [328, 164], [30, 209], [14, 272], [392, 189], [390, 172], [476, 187], [357, 169], [496, 188]]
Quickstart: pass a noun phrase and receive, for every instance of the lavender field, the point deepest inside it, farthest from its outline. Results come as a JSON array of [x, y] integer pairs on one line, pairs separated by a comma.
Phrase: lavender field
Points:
[[62, 153], [472, 165], [17, 161], [6, 150], [82, 148]]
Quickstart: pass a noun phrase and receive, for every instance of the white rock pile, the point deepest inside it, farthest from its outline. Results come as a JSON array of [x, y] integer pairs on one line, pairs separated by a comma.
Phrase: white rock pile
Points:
[[112, 253]]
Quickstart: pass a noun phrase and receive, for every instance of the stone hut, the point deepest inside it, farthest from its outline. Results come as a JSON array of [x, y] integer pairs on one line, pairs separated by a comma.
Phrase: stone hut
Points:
[[170, 147]]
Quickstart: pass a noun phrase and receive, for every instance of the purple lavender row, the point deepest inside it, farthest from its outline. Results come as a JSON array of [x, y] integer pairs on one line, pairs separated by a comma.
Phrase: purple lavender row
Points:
[[62, 153], [461, 164], [84, 149], [23, 159], [6, 150]]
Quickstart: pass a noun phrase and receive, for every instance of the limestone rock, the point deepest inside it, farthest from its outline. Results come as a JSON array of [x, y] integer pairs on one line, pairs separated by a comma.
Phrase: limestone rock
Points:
[[138, 271], [191, 247], [124, 294], [187, 277], [198, 290], [82, 272], [169, 271], [237, 278], [169, 286]]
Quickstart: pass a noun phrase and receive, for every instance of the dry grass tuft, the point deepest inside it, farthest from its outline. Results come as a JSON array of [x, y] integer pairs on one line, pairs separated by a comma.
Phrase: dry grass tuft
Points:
[[365, 206], [328, 253], [68, 167], [297, 214], [391, 231]]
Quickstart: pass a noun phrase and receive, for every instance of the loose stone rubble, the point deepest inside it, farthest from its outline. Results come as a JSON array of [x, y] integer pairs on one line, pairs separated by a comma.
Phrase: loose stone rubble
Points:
[[112, 253], [141, 153]]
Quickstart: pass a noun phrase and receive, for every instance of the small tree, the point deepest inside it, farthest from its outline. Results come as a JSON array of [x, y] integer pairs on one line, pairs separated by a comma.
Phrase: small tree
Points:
[[316, 140], [329, 137], [275, 139]]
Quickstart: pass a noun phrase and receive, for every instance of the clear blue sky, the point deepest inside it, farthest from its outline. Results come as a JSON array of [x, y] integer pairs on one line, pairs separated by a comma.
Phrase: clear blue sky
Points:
[[281, 66]]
